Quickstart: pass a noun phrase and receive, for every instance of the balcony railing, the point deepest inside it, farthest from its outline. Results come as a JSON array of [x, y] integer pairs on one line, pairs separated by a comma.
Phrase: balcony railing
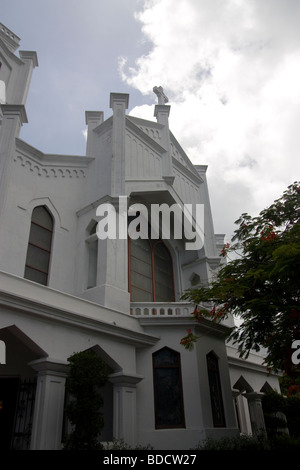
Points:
[[161, 309], [169, 310]]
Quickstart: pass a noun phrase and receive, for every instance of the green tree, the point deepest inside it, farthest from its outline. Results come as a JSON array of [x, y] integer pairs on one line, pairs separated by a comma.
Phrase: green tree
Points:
[[87, 374], [260, 285]]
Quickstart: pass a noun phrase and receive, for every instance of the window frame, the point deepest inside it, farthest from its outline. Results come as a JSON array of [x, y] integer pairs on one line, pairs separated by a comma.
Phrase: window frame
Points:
[[92, 255], [35, 244], [213, 374], [182, 425], [152, 244]]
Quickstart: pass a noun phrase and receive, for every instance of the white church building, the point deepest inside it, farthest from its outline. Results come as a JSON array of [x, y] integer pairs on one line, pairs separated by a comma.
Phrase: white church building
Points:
[[64, 289]]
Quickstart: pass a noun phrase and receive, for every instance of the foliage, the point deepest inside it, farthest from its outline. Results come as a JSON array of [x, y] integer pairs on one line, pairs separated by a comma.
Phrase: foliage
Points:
[[285, 442], [120, 444], [261, 285], [290, 386], [87, 374], [272, 403], [188, 340], [240, 442], [292, 413], [250, 443], [274, 406]]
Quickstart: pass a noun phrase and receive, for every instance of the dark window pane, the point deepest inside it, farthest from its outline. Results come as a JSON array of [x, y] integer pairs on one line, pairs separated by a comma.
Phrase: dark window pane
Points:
[[167, 389], [37, 258], [36, 276], [166, 357], [141, 266], [141, 271], [93, 259], [142, 282], [41, 216], [167, 398], [215, 390], [138, 295], [163, 274], [40, 237], [39, 246], [151, 271], [163, 293]]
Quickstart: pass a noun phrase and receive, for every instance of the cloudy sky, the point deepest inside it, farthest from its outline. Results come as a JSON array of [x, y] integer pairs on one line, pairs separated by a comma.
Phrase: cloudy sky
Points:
[[231, 70]]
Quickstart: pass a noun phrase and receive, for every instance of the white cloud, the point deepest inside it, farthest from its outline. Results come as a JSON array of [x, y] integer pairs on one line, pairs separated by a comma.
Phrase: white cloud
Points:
[[231, 70]]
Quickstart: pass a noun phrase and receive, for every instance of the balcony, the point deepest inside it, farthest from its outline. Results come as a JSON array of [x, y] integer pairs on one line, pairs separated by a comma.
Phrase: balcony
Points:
[[178, 310]]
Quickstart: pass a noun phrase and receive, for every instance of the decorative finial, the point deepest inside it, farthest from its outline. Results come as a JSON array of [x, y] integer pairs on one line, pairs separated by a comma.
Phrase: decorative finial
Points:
[[162, 98]]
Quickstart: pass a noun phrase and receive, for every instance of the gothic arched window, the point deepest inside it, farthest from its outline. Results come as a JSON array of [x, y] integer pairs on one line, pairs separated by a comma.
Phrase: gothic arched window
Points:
[[168, 396], [215, 390], [39, 246], [151, 271]]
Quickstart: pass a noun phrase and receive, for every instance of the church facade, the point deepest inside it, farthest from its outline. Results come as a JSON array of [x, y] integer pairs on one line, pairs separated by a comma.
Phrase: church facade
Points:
[[64, 288]]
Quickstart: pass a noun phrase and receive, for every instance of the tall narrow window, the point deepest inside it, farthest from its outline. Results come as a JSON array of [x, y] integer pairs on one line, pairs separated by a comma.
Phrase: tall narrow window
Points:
[[39, 246], [151, 271], [168, 396], [163, 273], [141, 271], [92, 243], [215, 390]]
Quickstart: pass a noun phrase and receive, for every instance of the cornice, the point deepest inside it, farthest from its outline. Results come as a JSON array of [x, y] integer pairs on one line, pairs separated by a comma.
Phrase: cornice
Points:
[[193, 176], [104, 127], [48, 158], [191, 168], [144, 122], [206, 326], [10, 53], [113, 200], [15, 109], [213, 262], [55, 314], [50, 165], [246, 364], [29, 55]]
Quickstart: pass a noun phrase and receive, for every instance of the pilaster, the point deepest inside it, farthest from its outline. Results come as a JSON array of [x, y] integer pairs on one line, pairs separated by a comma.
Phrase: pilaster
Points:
[[118, 103], [124, 402], [162, 112], [30, 61], [111, 288], [93, 119], [49, 404], [13, 118]]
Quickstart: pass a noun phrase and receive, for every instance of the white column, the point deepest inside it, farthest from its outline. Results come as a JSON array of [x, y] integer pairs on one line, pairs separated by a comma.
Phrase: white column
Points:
[[112, 269], [30, 61], [118, 103], [13, 118], [93, 119], [49, 404], [161, 112], [124, 411]]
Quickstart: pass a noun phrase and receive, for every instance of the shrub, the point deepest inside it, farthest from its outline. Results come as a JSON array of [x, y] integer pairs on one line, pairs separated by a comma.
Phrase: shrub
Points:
[[120, 444], [241, 442], [87, 374]]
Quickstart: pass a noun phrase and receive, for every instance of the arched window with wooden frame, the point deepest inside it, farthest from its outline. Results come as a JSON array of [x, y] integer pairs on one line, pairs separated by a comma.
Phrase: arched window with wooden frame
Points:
[[39, 246], [168, 394], [150, 271]]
